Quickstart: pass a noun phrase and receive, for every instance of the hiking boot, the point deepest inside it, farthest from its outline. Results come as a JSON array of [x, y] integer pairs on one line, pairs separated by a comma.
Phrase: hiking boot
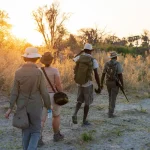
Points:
[[58, 137], [86, 123], [40, 142], [74, 119]]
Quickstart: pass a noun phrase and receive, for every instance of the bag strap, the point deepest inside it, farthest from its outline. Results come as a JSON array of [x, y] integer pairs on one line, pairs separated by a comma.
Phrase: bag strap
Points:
[[48, 79]]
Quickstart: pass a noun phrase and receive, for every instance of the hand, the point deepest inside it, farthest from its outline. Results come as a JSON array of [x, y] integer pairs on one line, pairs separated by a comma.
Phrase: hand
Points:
[[98, 91], [7, 113]]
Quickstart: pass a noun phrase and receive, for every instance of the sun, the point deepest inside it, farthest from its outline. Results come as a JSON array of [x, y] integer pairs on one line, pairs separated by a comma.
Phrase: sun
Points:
[[28, 33]]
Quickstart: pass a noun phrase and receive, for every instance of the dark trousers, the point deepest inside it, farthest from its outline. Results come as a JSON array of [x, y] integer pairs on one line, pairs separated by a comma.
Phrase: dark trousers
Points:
[[31, 135], [113, 90]]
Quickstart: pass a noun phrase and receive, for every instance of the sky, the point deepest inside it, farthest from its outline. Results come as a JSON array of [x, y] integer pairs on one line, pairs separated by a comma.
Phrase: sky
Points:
[[119, 17]]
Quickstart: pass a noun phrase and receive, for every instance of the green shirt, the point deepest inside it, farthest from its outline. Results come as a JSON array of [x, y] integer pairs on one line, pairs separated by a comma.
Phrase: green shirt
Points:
[[118, 66]]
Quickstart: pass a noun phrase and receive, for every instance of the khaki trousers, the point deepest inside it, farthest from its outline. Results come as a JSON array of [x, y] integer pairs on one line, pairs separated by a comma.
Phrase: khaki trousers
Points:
[[113, 90]]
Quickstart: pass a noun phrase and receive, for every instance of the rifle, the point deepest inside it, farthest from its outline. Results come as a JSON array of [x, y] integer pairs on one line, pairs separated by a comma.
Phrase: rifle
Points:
[[121, 88], [79, 53]]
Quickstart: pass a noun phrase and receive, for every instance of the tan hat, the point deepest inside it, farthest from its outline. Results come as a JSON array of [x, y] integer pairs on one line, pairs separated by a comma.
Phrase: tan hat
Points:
[[88, 46], [46, 58], [31, 52], [113, 54]]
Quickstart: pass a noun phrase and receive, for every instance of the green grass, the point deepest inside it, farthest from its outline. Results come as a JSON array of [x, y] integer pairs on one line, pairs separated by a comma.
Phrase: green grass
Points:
[[142, 110], [87, 136]]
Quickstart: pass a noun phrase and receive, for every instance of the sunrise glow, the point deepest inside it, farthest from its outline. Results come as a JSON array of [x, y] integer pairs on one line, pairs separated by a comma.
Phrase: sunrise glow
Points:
[[121, 17]]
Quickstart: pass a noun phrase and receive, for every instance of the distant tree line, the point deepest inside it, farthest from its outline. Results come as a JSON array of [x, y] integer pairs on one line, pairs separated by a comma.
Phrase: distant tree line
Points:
[[51, 25]]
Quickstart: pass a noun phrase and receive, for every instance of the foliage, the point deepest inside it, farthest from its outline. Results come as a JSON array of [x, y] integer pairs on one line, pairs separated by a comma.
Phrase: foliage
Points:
[[87, 136], [142, 110], [50, 23], [4, 27]]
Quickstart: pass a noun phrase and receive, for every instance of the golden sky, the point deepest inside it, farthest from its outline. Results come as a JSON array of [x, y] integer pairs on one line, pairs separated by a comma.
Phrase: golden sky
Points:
[[121, 17]]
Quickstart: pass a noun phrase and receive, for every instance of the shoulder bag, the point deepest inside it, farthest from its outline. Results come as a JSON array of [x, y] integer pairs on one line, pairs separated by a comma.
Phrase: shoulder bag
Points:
[[60, 98], [20, 118]]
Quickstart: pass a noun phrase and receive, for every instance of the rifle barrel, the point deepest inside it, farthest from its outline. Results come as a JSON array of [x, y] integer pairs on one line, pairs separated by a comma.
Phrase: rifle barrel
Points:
[[120, 86]]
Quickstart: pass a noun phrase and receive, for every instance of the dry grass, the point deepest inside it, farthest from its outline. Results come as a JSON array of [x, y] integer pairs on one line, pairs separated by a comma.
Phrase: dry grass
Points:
[[136, 70]]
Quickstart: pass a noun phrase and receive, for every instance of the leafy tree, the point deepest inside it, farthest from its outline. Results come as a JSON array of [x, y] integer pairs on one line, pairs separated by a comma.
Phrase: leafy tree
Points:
[[91, 35], [145, 39], [4, 26], [50, 23], [72, 42]]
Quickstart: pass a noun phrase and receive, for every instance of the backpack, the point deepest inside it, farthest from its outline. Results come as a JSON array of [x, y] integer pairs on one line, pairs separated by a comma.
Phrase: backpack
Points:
[[83, 70], [111, 71]]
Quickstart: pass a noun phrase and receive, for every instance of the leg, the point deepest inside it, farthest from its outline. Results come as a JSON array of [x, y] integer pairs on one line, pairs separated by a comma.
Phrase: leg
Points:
[[56, 123], [113, 97], [86, 110], [109, 89], [78, 105], [80, 100], [44, 117], [35, 116], [88, 97], [25, 138], [56, 110], [35, 136]]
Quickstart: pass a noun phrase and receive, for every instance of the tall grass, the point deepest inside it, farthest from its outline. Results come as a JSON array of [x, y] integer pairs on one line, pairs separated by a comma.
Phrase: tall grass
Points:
[[136, 69]]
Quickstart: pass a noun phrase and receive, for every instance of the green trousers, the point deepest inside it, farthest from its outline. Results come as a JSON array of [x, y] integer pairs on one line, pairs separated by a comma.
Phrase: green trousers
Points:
[[113, 90]]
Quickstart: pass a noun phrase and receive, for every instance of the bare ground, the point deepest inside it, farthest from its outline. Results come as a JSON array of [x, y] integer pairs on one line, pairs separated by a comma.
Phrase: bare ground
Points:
[[129, 130]]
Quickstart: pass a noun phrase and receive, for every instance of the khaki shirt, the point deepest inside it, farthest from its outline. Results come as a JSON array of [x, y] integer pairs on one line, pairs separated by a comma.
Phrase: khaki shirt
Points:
[[29, 82]]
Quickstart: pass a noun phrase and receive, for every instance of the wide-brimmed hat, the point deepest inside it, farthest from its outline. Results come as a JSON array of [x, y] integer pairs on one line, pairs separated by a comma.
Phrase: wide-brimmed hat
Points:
[[88, 46], [31, 52], [46, 58], [113, 54]]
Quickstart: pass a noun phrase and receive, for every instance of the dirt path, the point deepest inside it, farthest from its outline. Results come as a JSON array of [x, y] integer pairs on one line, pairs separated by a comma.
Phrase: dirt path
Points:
[[130, 130]]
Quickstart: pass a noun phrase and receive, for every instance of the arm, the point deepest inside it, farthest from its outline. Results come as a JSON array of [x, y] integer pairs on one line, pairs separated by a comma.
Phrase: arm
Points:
[[120, 76], [102, 79], [97, 81], [13, 97], [97, 77], [14, 93], [44, 92]]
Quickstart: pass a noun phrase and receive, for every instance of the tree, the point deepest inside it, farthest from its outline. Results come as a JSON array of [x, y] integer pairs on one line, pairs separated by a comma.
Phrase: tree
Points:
[[72, 42], [50, 23], [112, 39], [90, 35], [134, 40], [4, 26], [145, 39]]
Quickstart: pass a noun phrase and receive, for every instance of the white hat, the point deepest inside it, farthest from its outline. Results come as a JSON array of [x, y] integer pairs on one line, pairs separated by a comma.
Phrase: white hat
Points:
[[31, 52], [88, 46], [113, 54]]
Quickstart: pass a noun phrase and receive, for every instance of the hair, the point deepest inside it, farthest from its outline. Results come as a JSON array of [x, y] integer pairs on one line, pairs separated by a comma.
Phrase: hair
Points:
[[30, 59], [87, 51], [46, 65], [114, 58]]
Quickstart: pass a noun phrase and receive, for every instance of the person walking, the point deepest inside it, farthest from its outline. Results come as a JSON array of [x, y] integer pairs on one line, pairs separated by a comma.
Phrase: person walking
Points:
[[29, 89], [85, 64], [54, 77], [113, 71]]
